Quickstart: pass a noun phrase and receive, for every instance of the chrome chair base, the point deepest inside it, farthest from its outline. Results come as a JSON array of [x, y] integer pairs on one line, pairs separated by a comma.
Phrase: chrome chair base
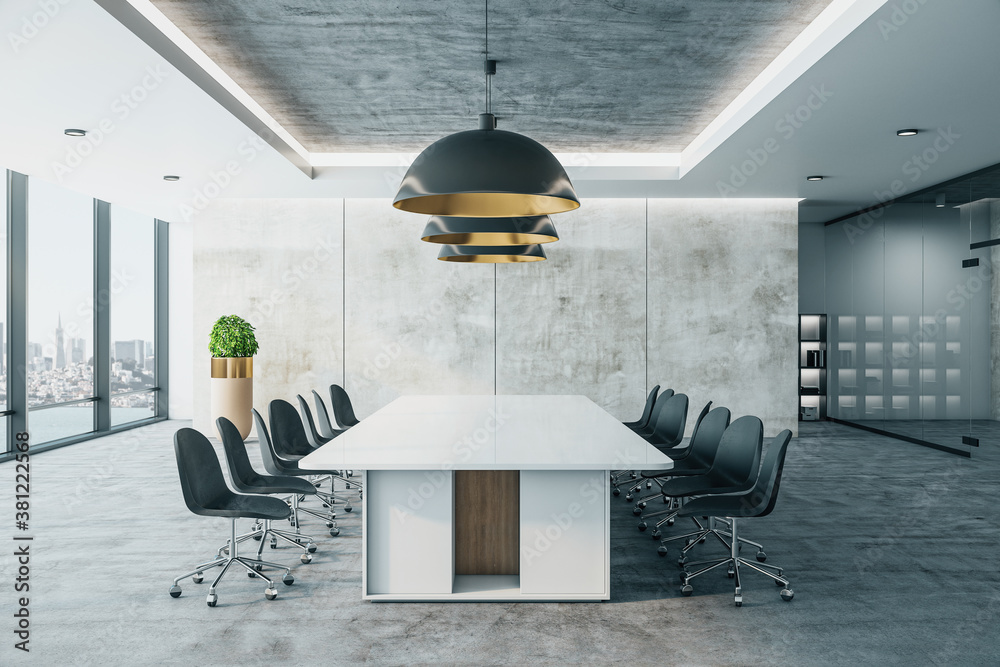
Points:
[[253, 566], [734, 561]]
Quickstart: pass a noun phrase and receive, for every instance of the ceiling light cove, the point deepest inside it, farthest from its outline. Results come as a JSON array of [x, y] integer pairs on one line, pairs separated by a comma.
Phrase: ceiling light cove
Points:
[[72, 132], [907, 133], [815, 178]]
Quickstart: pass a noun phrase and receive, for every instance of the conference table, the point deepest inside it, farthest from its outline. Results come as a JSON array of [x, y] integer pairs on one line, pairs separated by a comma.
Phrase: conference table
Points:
[[489, 498]]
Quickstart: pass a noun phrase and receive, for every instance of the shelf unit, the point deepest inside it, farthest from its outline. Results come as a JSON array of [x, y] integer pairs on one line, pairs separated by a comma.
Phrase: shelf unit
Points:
[[812, 371]]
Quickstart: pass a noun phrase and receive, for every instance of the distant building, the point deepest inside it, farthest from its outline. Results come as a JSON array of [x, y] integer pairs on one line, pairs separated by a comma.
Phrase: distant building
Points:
[[130, 349], [78, 350], [60, 345]]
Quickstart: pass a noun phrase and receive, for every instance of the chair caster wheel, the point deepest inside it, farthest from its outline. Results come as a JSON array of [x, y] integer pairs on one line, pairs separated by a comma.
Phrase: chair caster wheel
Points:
[[636, 511], [175, 591], [326, 505], [641, 506], [684, 577], [270, 593], [251, 575], [730, 573], [288, 580], [197, 578], [682, 561], [687, 590], [274, 545], [212, 599], [778, 583], [642, 527], [761, 556], [305, 558], [701, 541], [311, 548], [649, 485], [787, 594], [628, 497], [656, 534], [739, 600], [670, 522], [256, 538], [348, 509], [616, 492], [661, 550], [334, 532], [329, 524]]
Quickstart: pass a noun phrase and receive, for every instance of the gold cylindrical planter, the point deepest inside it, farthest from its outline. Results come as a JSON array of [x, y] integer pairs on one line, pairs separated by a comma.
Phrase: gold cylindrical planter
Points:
[[232, 391]]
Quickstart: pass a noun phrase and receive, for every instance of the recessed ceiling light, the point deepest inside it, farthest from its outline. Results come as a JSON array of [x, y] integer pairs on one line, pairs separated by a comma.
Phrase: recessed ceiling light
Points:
[[72, 132], [907, 133], [939, 201], [814, 178], [171, 178]]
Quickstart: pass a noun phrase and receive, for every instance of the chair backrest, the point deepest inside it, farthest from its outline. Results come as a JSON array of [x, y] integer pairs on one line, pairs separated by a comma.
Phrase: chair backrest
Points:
[[200, 473], [647, 410], [240, 470], [312, 435], [661, 400], [765, 492], [699, 420], [267, 453], [343, 411], [288, 436], [707, 436], [737, 461], [670, 423], [323, 423]]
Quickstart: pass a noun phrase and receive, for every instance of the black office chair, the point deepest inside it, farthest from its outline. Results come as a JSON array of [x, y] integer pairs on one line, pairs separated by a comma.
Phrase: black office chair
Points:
[[343, 411], [247, 480], [619, 475], [325, 426], [206, 494], [313, 436], [667, 433], [279, 467], [654, 415], [698, 460], [734, 470], [760, 501], [288, 436], [646, 410], [326, 430]]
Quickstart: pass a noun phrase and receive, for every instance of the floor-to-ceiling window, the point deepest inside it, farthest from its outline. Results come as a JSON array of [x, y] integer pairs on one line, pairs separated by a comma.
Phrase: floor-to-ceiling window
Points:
[[4, 400], [83, 298], [133, 316], [60, 312]]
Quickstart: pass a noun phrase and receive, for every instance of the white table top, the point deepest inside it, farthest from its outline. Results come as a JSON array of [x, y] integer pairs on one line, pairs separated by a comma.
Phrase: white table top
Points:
[[488, 433]]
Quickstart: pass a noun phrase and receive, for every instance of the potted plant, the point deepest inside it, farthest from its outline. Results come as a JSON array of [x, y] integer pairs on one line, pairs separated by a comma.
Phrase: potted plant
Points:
[[232, 344]]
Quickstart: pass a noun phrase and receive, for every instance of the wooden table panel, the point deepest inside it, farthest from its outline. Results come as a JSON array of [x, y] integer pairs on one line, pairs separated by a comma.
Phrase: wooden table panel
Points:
[[487, 518]]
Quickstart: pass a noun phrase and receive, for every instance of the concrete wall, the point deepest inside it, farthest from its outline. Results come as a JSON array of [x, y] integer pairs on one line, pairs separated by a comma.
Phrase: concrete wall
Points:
[[723, 303], [380, 314], [280, 265]]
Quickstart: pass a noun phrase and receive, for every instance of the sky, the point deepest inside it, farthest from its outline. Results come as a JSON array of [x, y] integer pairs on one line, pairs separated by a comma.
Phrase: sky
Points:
[[61, 268]]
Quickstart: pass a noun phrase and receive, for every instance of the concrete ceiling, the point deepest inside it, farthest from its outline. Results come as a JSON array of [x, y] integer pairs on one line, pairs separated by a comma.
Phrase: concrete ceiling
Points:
[[577, 75], [934, 68]]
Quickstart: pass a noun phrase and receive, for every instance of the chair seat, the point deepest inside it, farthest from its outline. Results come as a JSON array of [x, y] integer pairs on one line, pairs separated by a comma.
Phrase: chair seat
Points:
[[699, 485], [267, 484], [724, 506], [676, 471], [237, 506]]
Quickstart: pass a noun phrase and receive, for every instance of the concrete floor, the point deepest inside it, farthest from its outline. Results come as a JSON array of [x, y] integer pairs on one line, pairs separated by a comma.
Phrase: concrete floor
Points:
[[891, 549]]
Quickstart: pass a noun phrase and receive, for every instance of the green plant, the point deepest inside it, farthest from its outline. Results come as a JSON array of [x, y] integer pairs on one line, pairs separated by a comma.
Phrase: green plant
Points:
[[232, 336]]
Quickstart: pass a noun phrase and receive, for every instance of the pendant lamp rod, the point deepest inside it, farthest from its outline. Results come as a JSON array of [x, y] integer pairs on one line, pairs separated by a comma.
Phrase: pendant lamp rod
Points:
[[487, 121]]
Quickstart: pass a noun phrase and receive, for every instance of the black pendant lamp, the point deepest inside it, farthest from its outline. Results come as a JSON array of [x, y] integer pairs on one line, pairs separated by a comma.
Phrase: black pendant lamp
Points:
[[489, 231], [490, 254], [486, 173]]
